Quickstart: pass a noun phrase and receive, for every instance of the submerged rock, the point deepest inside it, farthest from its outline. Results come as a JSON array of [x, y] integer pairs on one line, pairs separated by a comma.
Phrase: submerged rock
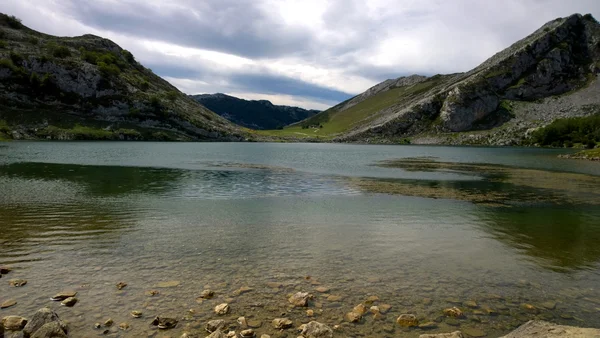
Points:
[[361, 309], [353, 317], [282, 323], [4, 270], [207, 294], [249, 333], [454, 312], [136, 314], [455, 334], [63, 295], [168, 284], [317, 330], [69, 301], [529, 308], [222, 309], [407, 320], [473, 332], [215, 325], [152, 293], [8, 303], [17, 282], [217, 334], [300, 299], [164, 323], [121, 285]]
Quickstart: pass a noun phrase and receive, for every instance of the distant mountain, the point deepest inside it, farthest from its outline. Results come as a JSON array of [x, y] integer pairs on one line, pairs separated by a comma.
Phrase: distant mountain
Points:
[[259, 114], [548, 75], [87, 87]]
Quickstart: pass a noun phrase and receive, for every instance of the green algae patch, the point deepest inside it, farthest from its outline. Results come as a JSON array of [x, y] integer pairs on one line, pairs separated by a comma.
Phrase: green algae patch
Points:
[[498, 184]]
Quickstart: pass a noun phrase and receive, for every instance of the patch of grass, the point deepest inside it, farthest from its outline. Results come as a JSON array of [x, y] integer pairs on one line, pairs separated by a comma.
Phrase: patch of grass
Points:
[[108, 70], [2, 44], [498, 72], [569, 131]]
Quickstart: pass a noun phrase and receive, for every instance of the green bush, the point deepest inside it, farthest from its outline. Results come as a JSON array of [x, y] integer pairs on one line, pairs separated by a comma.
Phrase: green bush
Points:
[[155, 103], [33, 40], [128, 56], [2, 44], [562, 132], [61, 52], [12, 21], [172, 95], [108, 70], [8, 64], [34, 80], [16, 58], [4, 126], [145, 85]]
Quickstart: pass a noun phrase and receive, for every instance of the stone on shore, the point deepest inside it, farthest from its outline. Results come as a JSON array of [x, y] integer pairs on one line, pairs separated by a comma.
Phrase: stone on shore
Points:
[[542, 329], [222, 309], [300, 299], [455, 334], [282, 323], [42, 317], [8, 303], [317, 330], [249, 333], [407, 320], [14, 323]]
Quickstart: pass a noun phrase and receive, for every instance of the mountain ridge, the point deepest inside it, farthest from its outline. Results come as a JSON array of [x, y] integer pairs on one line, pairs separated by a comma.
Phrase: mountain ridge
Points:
[[558, 59], [254, 114], [88, 87]]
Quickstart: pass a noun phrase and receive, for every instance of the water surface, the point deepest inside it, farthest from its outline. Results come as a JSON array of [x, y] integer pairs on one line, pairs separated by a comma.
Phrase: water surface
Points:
[[282, 218]]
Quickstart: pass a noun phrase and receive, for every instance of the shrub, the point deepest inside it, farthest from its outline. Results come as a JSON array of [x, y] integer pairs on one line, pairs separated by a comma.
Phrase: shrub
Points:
[[8, 64], [128, 56], [108, 70], [145, 85], [2, 44], [13, 21], [16, 58], [155, 103], [34, 80], [561, 132], [172, 95], [33, 40], [61, 52]]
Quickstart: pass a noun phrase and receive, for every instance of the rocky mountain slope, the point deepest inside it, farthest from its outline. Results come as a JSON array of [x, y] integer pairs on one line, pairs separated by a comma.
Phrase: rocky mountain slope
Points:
[[87, 87], [547, 75], [253, 114]]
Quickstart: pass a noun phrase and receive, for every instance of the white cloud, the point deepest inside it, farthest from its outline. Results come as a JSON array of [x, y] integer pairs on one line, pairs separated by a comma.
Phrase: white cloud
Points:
[[338, 45]]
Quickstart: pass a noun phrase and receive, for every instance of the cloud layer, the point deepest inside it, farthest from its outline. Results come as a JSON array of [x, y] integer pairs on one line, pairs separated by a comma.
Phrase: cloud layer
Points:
[[312, 53]]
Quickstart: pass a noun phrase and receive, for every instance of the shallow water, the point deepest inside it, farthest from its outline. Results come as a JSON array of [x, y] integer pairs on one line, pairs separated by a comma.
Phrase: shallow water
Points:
[[282, 218]]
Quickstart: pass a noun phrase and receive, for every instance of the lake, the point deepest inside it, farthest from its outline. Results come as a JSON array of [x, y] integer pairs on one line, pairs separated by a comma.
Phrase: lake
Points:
[[505, 234]]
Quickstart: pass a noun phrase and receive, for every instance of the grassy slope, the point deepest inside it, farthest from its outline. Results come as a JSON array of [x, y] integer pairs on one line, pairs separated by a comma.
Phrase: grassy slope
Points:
[[338, 122]]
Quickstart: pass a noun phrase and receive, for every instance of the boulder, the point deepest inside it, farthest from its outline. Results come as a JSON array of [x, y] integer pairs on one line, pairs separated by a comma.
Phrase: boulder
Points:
[[14, 323], [542, 329], [50, 330], [317, 330], [42, 317]]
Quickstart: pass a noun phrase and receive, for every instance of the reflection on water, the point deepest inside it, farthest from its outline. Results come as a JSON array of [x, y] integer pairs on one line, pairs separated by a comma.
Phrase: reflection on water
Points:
[[225, 220], [561, 239]]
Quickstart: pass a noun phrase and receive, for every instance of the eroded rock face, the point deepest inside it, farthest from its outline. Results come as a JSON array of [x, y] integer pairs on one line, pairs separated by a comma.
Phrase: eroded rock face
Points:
[[317, 330]]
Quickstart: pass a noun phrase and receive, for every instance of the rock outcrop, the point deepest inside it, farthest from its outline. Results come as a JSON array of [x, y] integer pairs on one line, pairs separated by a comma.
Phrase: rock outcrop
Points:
[[541, 329], [49, 85], [560, 58]]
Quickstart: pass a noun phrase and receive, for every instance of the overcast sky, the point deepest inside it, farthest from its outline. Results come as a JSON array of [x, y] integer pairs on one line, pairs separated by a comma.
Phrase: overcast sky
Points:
[[310, 53]]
